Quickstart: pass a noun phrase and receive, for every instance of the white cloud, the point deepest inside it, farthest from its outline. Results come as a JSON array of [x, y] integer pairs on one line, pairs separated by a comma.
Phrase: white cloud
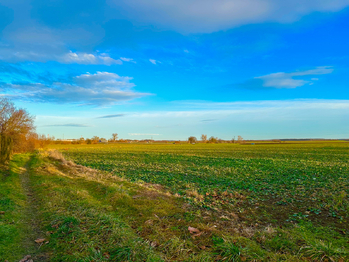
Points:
[[125, 59], [152, 61], [286, 80], [104, 79], [207, 16], [57, 55], [102, 88], [88, 59], [200, 106]]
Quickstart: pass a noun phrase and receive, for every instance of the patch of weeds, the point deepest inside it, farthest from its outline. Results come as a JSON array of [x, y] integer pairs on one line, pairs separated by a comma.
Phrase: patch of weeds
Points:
[[176, 247], [280, 242], [201, 257], [217, 240], [134, 251], [7, 204], [68, 225], [97, 256], [228, 251], [320, 250], [125, 253]]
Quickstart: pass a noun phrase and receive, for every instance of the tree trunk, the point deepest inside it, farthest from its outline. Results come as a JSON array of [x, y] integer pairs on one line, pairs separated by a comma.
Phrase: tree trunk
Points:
[[6, 143]]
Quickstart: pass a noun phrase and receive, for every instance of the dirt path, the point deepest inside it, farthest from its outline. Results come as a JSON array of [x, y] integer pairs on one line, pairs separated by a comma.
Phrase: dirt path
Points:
[[33, 228]]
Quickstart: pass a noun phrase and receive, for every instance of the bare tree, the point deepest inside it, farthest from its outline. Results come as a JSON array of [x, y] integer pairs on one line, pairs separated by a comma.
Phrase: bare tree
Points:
[[240, 139], [114, 137], [15, 124], [204, 138], [43, 141], [192, 140]]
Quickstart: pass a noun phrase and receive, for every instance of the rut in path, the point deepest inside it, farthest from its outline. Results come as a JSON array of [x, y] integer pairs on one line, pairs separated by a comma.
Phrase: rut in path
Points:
[[33, 227]]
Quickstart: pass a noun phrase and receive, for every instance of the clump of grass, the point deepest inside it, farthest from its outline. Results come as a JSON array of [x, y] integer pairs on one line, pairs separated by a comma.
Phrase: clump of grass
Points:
[[177, 247], [320, 250], [228, 251]]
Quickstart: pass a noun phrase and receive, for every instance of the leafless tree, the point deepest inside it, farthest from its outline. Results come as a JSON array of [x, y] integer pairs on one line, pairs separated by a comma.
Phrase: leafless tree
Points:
[[240, 139], [204, 138], [114, 137]]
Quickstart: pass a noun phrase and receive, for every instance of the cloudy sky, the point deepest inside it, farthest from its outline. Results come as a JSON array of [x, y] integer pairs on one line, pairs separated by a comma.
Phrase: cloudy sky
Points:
[[169, 69]]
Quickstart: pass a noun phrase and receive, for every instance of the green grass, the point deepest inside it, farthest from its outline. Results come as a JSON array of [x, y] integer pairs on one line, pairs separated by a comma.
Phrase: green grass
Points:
[[82, 226], [268, 202], [13, 203]]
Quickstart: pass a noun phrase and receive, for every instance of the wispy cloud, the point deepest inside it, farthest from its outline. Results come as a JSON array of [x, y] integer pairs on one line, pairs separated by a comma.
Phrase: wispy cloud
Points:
[[67, 125], [154, 62], [208, 120], [88, 59], [125, 59], [59, 56], [141, 134], [111, 116], [286, 80], [206, 106], [101, 88]]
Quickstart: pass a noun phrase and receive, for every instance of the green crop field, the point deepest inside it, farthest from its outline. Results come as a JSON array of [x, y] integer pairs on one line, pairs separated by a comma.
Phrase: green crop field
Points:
[[281, 185], [177, 202], [278, 183]]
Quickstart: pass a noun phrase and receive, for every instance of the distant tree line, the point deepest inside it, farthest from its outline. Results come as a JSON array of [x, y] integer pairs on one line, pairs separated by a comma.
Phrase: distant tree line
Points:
[[212, 139], [114, 139]]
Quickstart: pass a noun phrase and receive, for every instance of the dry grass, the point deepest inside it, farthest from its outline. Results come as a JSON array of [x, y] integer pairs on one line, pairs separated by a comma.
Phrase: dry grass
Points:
[[195, 194]]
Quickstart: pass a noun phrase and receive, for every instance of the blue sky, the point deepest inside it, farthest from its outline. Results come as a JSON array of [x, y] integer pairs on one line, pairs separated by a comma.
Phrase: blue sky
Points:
[[170, 69]]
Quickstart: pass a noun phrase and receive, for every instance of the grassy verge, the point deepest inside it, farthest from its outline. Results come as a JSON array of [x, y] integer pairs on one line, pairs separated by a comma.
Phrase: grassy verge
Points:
[[80, 226], [12, 205]]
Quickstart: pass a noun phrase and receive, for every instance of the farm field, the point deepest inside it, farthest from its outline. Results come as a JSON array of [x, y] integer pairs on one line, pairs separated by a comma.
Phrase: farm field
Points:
[[282, 186], [166, 202], [273, 183]]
